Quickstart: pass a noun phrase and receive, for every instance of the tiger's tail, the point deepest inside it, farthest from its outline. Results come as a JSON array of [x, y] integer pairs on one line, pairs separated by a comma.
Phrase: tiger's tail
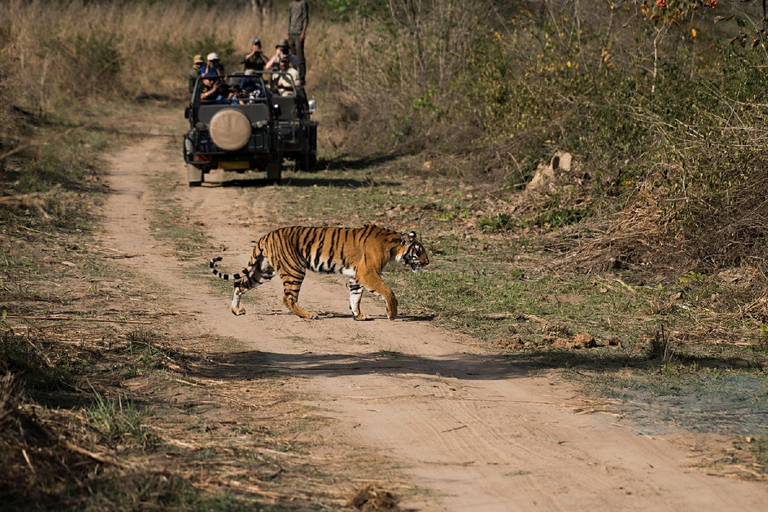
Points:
[[236, 277]]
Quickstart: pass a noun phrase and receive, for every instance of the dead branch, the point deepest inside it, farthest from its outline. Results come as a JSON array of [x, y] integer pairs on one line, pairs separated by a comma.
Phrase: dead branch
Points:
[[104, 459]]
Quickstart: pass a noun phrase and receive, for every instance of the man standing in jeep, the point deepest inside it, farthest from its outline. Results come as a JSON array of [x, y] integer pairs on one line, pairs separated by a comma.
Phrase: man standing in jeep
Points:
[[298, 19]]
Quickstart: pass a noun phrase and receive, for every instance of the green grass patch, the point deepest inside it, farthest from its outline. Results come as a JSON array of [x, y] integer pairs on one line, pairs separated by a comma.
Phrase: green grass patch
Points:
[[760, 449], [120, 420], [488, 278]]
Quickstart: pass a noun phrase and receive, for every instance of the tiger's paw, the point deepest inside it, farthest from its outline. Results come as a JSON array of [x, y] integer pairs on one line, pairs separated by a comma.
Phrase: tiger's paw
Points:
[[360, 317], [238, 311]]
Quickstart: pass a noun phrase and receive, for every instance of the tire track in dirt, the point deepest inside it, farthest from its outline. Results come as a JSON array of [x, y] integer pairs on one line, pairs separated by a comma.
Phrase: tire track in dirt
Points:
[[477, 433]]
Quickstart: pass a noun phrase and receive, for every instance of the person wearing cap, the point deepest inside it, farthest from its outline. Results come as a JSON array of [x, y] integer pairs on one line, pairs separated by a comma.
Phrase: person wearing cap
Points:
[[214, 90], [254, 60], [281, 49], [194, 73], [298, 19], [213, 65], [282, 83]]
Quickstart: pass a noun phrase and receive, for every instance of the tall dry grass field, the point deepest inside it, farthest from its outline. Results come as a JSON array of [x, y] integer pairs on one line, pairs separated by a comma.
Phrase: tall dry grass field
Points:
[[53, 52]]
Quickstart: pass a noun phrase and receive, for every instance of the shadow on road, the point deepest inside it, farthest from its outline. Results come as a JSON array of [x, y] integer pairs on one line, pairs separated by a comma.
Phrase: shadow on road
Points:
[[299, 182], [351, 163], [251, 364]]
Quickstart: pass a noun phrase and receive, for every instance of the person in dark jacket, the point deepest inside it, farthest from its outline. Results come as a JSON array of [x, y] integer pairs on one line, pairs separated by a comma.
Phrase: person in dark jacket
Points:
[[194, 73]]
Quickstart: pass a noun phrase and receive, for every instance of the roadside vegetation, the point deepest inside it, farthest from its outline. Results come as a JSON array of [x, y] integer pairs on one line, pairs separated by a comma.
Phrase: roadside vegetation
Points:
[[106, 403], [639, 269]]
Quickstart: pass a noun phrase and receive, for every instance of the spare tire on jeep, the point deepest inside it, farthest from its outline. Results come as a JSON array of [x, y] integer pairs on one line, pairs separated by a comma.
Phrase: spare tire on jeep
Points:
[[230, 129]]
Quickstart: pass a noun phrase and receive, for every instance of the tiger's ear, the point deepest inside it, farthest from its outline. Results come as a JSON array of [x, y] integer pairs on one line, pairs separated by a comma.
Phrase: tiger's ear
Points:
[[412, 236], [404, 240]]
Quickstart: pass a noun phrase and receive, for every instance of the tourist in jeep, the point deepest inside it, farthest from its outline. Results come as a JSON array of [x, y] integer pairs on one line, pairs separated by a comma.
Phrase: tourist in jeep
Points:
[[254, 60], [281, 49], [213, 66], [252, 87], [214, 90], [194, 73], [281, 82]]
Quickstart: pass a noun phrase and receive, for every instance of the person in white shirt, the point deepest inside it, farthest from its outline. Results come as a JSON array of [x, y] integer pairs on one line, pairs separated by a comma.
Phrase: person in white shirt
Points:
[[282, 83]]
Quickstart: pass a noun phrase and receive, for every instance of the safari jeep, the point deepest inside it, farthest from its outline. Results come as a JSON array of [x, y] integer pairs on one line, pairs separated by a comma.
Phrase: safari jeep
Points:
[[255, 132]]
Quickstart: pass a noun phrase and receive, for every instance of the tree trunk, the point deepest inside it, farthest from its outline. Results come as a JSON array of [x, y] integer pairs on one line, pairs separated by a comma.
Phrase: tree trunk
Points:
[[262, 10]]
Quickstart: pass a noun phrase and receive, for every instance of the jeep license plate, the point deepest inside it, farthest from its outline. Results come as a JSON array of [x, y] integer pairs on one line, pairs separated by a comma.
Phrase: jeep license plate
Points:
[[234, 165]]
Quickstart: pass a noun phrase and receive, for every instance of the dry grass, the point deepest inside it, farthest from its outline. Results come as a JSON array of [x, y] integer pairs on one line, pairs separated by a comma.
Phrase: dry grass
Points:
[[635, 237], [140, 419], [373, 499], [52, 46], [109, 406]]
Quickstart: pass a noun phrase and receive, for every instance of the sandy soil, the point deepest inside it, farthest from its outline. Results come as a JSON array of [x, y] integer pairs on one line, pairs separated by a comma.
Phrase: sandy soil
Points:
[[462, 423]]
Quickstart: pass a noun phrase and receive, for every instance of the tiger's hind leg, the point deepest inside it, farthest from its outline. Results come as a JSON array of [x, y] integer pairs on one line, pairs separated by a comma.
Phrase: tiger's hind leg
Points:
[[355, 295], [261, 271], [291, 288], [235, 306], [241, 287]]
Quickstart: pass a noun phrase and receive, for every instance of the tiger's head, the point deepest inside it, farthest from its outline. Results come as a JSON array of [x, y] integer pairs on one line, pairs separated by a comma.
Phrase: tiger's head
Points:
[[412, 252], [264, 268], [261, 268]]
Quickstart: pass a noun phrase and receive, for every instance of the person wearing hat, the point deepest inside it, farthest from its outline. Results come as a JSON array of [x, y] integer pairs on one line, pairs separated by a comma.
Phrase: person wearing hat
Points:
[[213, 65], [254, 60], [282, 82], [281, 49], [194, 73], [298, 19], [214, 90]]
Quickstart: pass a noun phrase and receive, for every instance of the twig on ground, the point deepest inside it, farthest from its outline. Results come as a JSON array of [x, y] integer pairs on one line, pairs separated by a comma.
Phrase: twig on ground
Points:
[[105, 459], [84, 319]]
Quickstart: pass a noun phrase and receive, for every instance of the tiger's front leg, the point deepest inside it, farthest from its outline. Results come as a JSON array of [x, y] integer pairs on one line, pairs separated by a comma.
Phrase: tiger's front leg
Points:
[[355, 295], [374, 283]]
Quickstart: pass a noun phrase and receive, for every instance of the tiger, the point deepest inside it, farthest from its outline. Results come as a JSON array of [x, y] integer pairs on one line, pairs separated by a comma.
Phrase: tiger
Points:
[[360, 253]]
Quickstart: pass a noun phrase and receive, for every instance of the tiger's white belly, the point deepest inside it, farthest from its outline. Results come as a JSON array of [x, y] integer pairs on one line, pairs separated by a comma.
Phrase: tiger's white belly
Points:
[[325, 267]]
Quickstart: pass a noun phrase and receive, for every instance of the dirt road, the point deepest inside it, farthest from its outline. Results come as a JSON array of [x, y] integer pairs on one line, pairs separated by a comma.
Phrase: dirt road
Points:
[[462, 422]]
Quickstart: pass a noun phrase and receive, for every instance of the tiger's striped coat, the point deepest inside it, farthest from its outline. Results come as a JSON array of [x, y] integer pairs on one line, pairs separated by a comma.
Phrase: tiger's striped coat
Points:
[[360, 253]]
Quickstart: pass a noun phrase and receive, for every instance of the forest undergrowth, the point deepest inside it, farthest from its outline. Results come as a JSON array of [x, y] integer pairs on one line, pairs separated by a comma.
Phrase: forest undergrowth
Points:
[[660, 108]]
